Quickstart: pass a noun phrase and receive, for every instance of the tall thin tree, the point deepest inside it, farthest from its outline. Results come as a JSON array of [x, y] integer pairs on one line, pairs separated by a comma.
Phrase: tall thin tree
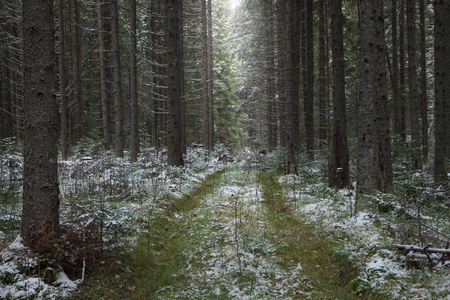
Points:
[[339, 173], [118, 102], [423, 82], [441, 74], [134, 124], [62, 84], [103, 15], [309, 99], [79, 71], [174, 82], [413, 93], [394, 67], [292, 82], [322, 76]]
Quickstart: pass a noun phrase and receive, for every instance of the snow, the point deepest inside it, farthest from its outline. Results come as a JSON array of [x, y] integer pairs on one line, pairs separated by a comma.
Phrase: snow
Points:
[[14, 284], [228, 230]]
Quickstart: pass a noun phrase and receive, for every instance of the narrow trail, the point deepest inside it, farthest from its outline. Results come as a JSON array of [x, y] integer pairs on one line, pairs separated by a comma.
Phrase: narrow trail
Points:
[[240, 241]]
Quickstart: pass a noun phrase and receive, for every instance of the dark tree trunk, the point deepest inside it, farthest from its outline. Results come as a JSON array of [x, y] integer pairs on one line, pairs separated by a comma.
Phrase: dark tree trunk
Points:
[[134, 137], [206, 101], [440, 73], [339, 173], [270, 68], [309, 98], [79, 71], [412, 84], [402, 75], [447, 79], [423, 83], [153, 55], [322, 76], [281, 45], [395, 91], [118, 103], [62, 84], [384, 160], [174, 83], [292, 82], [40, 174], [210, 78], [103, 14]]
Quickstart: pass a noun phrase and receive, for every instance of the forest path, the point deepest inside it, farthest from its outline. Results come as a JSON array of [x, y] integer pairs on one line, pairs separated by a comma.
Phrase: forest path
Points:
[[241, 241]]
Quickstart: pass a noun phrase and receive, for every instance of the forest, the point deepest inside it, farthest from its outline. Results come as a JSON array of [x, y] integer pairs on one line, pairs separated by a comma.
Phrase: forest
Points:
[[224, 149]]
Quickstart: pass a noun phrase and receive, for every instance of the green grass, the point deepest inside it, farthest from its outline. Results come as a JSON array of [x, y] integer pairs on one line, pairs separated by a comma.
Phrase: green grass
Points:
[[330, 275], [157, 257]]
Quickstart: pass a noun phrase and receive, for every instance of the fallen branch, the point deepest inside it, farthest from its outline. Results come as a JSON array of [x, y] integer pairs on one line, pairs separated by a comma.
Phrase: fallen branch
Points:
[[423, 256], [425, 249]]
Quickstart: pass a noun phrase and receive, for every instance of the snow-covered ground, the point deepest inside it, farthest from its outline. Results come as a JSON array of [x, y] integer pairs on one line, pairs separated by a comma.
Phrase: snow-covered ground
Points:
[[229, 252], [367, 238]]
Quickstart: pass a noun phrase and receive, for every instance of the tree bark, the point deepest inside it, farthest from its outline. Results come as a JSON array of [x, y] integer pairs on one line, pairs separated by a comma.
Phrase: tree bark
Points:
[[339, 173], [292, 83], [309, 98], [402, 71], [174, 83], [210, 78], [413, 94], [79, 71], [322, 76], [206, 102], [105, 91], [440, 73], [281, 47], [42, 128], [423, 83], [395, 88], [134, 121], [62, 84], [118, 102], [374, 167]]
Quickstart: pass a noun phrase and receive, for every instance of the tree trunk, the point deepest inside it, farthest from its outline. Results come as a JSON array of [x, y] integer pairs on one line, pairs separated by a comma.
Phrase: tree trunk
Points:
[[118, 103], [174, 83], [210, 78], [206, 102], [339, 173], [395, 91], [79, 71], [412, 84], [62, 84], [374, 169], [270, 68], [103, 31], [155, 81], [134, 137], [423, 83], [402, 75], [384, 160], [322, 76], [281, 46], [309, 98], [40, 174], [440, 73], [447, 79], [292, 83]]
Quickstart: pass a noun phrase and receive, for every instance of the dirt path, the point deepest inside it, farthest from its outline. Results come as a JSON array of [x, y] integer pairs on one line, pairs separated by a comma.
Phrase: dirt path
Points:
[[242, 242]]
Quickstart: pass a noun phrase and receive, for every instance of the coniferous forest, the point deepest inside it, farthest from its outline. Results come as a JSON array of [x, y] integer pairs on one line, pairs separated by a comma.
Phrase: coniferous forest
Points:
[[224, 149]]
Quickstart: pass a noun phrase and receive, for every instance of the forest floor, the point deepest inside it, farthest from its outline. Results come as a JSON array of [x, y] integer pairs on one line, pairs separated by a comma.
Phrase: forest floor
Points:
[[225, 231], [249, 234]]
